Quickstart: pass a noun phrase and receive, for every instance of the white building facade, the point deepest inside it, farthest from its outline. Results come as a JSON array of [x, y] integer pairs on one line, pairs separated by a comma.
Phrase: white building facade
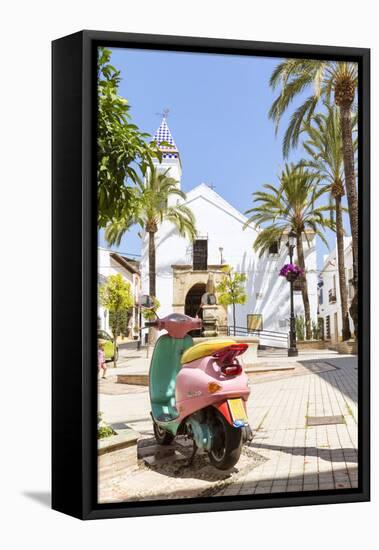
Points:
[[112, 263], [329, 293], [183, 267]]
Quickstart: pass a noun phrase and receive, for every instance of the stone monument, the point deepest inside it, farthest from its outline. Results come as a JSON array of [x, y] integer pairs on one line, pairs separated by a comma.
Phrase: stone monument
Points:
[[209, 309]]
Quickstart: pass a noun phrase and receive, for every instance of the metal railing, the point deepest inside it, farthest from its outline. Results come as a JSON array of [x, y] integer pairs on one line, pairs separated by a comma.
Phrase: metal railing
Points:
[[274, 337]]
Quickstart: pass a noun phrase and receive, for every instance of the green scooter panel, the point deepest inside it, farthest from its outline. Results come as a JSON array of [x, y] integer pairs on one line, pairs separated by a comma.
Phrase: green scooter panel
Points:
[[165, 365]]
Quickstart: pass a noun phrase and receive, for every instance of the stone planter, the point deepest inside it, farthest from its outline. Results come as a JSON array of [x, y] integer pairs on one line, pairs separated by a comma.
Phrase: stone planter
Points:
[[124, 437], [303, 345], [135, 379], [116, 454], [345, 348]]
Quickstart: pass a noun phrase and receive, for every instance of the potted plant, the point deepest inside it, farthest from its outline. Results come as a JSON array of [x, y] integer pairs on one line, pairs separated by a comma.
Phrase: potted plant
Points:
[[291, 272]]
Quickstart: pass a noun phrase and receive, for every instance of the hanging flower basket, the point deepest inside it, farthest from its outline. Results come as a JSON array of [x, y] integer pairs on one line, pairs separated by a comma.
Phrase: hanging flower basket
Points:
[[291, 272], [298, 284]]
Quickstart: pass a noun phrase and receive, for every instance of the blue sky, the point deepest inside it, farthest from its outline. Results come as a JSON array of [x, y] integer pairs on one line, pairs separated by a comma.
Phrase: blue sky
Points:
[[218, 118]]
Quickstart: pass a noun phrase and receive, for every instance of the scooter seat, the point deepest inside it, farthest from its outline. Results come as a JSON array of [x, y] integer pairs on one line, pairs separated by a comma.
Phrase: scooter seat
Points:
[[208, 347]]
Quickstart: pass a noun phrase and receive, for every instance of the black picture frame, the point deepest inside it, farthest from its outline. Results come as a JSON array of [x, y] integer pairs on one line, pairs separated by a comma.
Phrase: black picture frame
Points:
[[74, 272]]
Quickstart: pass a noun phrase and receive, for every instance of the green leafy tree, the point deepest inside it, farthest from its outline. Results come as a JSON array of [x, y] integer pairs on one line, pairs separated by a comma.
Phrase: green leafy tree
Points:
[[149, 314], [326, 80], [300, 325], [231, 290], [323, 145], [116, 296], [151, 207], [292, 206], [122, 149], [123, 321]]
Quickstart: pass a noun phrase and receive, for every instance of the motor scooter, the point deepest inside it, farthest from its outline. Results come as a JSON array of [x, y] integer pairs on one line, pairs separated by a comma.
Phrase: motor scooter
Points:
[[199, 391]]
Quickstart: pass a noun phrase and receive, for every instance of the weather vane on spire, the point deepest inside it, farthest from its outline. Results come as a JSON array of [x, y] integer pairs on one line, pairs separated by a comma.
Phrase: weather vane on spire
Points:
[[164, 113]]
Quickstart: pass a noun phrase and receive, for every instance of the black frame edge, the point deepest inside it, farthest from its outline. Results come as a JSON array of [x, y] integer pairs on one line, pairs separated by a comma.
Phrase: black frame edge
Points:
[[67, 318], [77, 496]]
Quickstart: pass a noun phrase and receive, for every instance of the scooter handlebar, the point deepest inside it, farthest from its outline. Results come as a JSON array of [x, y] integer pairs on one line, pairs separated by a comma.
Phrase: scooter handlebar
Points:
[[151, 323]]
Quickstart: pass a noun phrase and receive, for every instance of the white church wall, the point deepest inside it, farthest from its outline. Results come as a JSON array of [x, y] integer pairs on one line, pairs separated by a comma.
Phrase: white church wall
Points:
[[170, 249], [330, 279], [222, 224], [268, 294]]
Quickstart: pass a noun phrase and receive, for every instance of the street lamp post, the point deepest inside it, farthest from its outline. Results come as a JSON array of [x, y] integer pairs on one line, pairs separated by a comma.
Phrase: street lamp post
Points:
[[292, 350], [221, 258], [139, 341]]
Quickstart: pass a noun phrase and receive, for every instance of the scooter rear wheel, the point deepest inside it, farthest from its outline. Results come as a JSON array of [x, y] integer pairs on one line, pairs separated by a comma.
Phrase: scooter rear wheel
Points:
[[226, 445], [162, 436]]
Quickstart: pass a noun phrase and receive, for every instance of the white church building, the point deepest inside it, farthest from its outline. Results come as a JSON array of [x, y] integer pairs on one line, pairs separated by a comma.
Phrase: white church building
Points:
[[184, 267]]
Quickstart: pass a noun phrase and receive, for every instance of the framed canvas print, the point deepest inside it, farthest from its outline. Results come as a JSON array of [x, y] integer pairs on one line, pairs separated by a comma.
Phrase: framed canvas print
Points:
[[210, 274]]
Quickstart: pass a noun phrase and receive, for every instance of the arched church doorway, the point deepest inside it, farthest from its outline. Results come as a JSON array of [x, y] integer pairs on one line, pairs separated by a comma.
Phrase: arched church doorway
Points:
[[192, 303], [193, 299]]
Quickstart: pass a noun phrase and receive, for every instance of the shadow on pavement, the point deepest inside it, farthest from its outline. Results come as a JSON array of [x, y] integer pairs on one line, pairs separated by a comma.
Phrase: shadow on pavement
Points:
[[344, 365], [331, 455]]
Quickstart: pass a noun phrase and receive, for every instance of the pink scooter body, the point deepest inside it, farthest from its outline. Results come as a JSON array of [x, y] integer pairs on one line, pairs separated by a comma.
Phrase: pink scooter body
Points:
[[192, 393], [198, 386]]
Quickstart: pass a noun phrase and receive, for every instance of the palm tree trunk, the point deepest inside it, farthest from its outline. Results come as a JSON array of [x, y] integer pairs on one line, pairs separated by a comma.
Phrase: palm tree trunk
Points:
[[152, 265], [341, 270], [234, 318], [152, 279], [352, 198], [307, 309]]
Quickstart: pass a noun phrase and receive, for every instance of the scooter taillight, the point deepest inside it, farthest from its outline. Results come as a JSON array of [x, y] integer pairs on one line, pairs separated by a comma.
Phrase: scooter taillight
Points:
[[231, 370], [226, 359]]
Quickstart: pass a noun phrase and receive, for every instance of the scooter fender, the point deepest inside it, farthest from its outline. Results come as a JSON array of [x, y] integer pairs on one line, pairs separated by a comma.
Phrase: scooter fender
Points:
[[223, 408]]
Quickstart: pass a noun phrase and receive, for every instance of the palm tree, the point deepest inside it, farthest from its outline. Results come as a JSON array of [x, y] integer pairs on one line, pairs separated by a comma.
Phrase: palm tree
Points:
[[151, 206], [291, 207], [324, 148], [324, 78]]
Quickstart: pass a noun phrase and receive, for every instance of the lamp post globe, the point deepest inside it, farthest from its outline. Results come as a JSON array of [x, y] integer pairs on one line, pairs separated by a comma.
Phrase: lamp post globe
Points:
[[291, 239], [221, 251]]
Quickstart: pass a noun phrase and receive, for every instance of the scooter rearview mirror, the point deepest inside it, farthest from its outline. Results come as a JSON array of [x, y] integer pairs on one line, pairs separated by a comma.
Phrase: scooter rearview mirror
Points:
[[146, 301]]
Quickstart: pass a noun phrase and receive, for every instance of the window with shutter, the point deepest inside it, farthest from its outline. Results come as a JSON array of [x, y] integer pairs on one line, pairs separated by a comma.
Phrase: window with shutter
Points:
[[200, 255], [274, 248]]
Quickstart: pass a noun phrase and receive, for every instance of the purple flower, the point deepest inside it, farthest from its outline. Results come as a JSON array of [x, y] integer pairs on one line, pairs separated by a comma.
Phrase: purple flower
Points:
[[291, 269]]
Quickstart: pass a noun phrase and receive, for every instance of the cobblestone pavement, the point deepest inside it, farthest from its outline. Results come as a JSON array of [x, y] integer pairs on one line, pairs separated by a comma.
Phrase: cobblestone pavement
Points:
[[285, 455], [301, 458]]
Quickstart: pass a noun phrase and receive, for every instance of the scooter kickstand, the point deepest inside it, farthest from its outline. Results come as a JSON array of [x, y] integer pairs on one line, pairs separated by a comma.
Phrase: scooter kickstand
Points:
[[194, 451]]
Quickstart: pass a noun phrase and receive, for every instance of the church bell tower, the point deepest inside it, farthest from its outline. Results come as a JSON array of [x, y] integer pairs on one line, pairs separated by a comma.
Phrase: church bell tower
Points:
[[170, 153]]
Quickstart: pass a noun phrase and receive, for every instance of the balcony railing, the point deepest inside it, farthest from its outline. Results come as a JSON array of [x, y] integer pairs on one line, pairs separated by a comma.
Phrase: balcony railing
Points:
[[332, 296]]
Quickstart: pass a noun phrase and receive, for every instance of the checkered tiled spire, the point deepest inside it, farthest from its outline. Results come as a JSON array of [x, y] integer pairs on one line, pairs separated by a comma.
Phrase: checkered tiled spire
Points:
[[163, 134]]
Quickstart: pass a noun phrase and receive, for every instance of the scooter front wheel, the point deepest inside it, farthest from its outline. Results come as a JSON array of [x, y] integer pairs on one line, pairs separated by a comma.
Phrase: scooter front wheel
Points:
[[226, 443], [161, 435]]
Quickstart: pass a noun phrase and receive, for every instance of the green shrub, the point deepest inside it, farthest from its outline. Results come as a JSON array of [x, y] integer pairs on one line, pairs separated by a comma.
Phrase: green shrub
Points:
[[103, 430], [315, 330], [300, 327]]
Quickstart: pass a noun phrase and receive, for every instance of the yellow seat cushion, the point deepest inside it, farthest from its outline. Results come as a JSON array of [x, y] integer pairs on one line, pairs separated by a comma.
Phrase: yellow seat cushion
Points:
[[205, 348]]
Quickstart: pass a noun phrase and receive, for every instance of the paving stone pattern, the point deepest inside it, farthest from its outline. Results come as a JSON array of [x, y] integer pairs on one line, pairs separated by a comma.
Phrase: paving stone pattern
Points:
[[285, 455]]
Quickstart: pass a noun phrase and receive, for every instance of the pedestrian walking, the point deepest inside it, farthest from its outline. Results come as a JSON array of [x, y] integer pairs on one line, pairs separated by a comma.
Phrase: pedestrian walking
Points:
[[101, 364]]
